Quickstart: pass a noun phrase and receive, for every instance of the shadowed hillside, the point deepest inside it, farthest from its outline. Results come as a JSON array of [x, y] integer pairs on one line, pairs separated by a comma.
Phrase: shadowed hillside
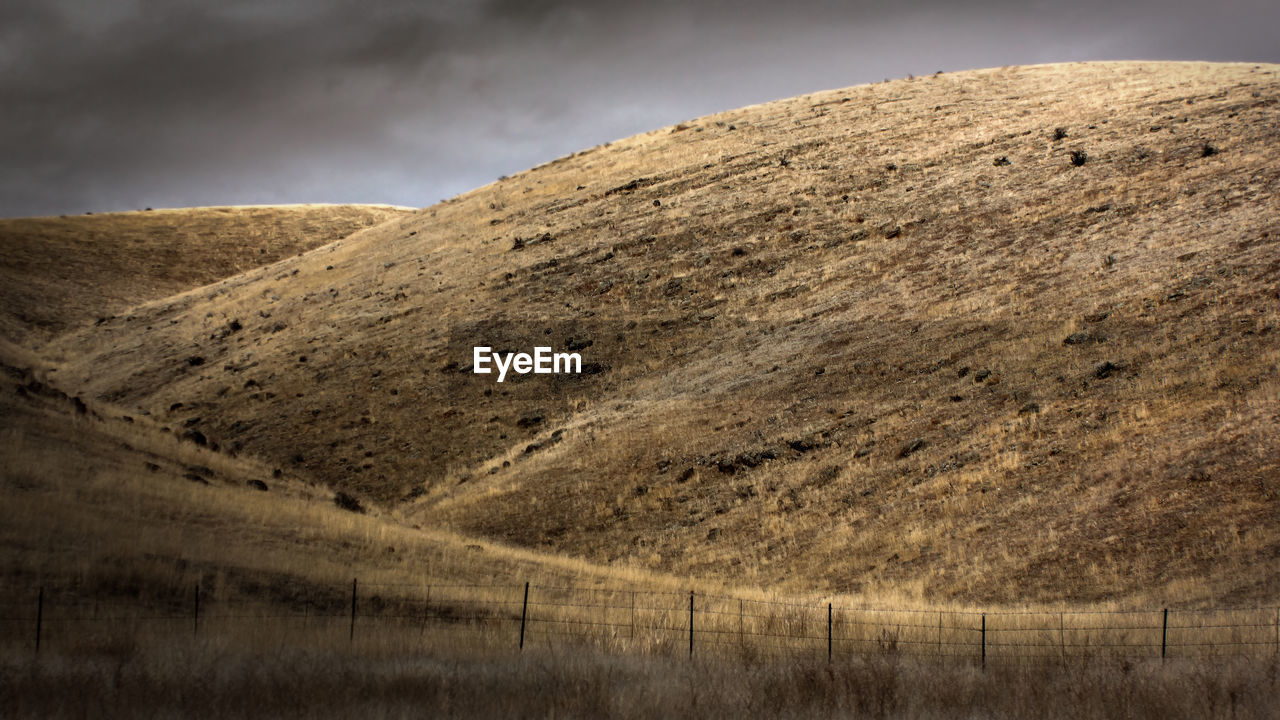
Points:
[[107, 506], [997, 335], [60, 272]]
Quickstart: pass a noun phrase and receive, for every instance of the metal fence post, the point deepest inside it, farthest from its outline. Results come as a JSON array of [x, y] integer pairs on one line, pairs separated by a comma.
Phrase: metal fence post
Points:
[[690, 623], [984, 641], [524, 614], [352, 637], [1164, 635], [829, 613]]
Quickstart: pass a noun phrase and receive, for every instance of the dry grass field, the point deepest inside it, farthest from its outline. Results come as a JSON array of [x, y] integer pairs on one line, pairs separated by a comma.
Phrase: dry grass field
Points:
[[322, 682], [995, 340], [107, 505]]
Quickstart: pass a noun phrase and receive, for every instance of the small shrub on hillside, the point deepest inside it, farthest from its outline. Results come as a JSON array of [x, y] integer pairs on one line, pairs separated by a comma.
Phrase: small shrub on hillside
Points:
[[347, 502]]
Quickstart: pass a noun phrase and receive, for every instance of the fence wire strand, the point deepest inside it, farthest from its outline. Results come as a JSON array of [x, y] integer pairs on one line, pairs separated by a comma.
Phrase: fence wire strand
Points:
[[662, 619]]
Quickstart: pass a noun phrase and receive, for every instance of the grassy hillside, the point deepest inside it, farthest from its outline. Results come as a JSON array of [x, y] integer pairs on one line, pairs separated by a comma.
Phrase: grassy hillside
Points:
[[60, 272], [108, 506], [1001, 335]]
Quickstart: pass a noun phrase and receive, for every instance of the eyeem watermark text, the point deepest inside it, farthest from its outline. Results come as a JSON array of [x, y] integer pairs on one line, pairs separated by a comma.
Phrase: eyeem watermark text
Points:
[[541, 362]]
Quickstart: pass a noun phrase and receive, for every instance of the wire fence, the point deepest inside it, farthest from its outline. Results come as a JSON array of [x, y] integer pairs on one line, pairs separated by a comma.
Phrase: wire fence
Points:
[[637, 620]]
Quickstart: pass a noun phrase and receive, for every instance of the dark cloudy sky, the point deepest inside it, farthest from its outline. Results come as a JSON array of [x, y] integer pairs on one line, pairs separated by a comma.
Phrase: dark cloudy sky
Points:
[[117, 104]]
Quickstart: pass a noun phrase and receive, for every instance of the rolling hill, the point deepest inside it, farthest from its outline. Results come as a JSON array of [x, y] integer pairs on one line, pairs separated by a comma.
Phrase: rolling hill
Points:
[[58, 272], [1003, 335]]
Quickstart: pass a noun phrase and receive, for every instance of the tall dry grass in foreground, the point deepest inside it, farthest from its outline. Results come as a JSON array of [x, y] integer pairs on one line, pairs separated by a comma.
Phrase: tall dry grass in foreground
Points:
[[213, 679]]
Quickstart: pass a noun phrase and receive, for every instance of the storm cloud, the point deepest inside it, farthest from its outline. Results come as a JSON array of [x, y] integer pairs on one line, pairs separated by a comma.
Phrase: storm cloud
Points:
[[122, 105]]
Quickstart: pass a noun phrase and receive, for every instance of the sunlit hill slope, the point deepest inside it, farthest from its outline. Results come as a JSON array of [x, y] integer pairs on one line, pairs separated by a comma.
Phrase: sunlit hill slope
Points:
[[995, 335]]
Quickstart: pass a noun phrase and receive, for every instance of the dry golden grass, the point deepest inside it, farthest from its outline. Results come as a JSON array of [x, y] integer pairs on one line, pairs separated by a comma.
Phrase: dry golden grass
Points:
[[102, 507], [143, 680], [782, 299], [105, 507]]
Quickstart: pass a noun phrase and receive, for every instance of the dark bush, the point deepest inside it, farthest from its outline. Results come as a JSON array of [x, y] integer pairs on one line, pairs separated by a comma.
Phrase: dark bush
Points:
[[911, 447], [1079, 157], [347, 502], [1104, 369]]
